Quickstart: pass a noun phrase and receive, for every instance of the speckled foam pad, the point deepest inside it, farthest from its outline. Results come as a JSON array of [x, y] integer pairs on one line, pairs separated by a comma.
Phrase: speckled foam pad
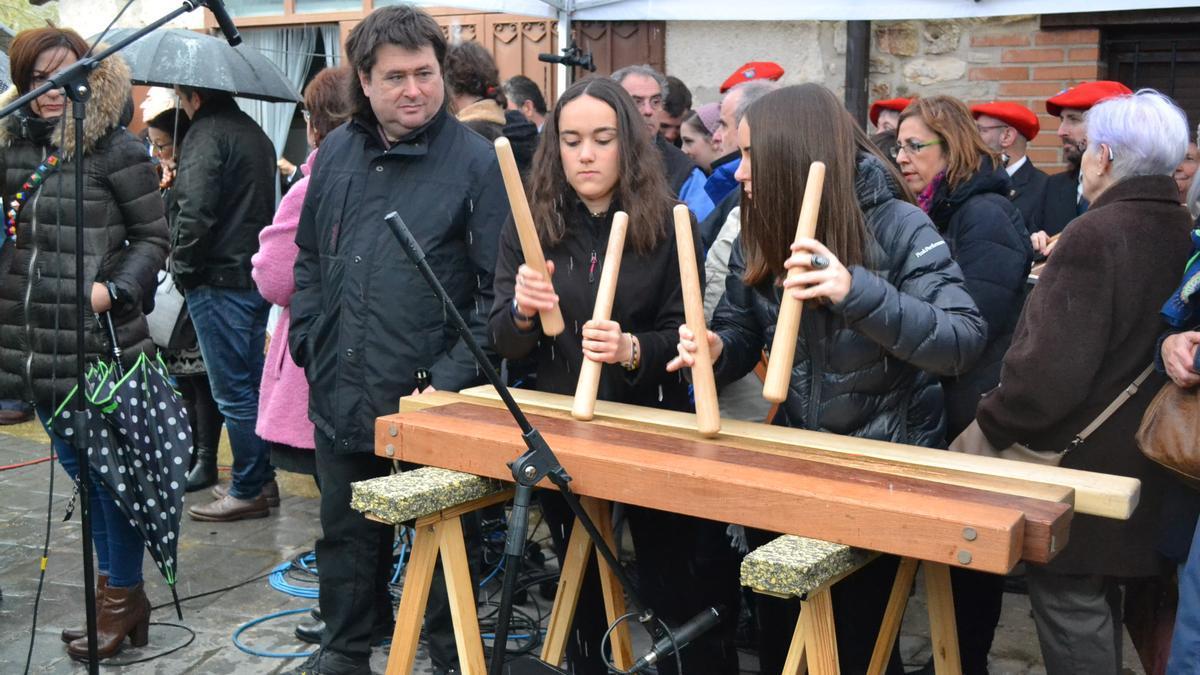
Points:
[[797, 566], [413, 494]]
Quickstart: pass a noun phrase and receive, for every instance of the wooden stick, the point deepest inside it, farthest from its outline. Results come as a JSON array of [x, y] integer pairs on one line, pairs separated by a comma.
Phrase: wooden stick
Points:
[[531, 246], [589, 371], [708, 412], [787, 327]]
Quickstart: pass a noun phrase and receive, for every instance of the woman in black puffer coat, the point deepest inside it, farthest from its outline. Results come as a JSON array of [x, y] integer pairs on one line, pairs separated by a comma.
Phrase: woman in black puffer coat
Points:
[[964, 189], [887, 317], [125, 244]]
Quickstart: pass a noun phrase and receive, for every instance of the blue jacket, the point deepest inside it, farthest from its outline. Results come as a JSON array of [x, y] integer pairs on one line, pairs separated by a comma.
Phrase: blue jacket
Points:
[[721, 182]]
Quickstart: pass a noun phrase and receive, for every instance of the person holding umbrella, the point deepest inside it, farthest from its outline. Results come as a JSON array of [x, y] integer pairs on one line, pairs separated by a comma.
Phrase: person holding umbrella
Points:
[[125, 238]]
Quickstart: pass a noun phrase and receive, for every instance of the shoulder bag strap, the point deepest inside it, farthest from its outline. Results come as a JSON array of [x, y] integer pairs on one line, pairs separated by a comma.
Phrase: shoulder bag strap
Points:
[[1126, 394]]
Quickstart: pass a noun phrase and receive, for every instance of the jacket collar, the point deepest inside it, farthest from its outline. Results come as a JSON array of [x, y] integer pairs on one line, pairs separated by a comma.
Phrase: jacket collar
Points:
[[414, 143], [111, 89], [1139, 188]]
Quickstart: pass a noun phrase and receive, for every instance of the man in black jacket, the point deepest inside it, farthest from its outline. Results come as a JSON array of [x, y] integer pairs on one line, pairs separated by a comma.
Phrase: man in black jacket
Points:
[[225, 190], [363, 319], [1064, 199], [1007, 128]]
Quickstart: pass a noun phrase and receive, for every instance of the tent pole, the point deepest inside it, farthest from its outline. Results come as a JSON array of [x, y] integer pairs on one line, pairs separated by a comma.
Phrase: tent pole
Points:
[[563, 79], [858, 59]]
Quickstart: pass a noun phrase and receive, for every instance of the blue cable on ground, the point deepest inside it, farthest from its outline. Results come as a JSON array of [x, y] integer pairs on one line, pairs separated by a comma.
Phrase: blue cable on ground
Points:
[[237, 642], [278, 581]]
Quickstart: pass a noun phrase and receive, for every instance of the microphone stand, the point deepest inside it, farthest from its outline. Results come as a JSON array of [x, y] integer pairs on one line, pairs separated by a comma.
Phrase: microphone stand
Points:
[[74, 80], [536, 463]]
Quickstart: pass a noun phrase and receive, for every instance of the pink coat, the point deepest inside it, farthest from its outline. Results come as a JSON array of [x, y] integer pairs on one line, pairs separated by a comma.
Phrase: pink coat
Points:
[[283, 397]]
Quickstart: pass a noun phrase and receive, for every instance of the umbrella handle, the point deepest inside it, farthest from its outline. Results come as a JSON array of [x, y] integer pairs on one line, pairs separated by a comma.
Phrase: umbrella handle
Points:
[[106, 321]]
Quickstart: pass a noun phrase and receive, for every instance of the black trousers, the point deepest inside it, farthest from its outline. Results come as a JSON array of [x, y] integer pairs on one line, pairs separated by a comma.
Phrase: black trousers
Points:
[[354, 556], [684, 565], [204, 416], [978, 599], [859, 602]]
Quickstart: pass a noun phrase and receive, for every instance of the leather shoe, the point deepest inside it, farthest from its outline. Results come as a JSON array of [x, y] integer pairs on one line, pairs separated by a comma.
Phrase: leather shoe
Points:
[[230, 508], [329, 662], [310, 631], [270, 490]]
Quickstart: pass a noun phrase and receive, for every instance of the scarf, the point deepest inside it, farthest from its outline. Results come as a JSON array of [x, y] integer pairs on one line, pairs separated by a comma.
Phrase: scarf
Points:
[[925, 199]]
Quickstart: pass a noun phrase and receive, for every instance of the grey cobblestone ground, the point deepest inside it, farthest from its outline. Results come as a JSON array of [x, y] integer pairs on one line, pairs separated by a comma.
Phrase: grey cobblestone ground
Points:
[[217, 555]]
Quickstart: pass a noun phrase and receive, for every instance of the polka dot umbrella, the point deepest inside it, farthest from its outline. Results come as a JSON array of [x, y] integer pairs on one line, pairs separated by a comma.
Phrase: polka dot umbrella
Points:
[[140, 445]]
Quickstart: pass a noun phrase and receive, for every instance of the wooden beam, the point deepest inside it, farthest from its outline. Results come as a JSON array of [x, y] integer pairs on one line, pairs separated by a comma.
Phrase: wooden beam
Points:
[[722, 483], [1096, 494]]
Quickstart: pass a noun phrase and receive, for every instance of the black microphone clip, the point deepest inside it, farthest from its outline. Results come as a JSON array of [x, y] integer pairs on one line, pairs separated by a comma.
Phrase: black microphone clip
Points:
[[677, 640]]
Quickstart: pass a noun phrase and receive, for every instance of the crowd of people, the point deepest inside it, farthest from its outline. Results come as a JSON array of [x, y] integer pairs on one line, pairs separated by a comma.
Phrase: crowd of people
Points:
[[921, 327]]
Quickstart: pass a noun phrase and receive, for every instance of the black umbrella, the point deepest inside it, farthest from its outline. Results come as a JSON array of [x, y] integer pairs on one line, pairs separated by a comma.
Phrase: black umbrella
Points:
[[169, 57], [140, 444]]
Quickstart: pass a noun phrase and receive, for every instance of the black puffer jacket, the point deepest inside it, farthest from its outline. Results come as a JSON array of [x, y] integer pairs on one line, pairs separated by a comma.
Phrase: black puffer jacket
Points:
[[649, 304], [989, 241], [125, 242], [225, 190], [867, 366], [363, 318]]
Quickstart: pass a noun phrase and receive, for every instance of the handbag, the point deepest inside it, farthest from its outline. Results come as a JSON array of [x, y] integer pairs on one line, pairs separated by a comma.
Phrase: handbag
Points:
[[1170, 431], [972, 441], [169, 323]]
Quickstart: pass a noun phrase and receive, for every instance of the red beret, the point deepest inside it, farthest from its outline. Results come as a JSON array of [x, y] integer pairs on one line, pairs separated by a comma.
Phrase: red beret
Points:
[[897, 104], [1084, 96], [1013, 114], [754, 70]]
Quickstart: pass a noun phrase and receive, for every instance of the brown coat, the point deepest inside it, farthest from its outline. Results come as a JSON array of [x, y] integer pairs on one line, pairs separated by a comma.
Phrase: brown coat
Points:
[[1089, 328]]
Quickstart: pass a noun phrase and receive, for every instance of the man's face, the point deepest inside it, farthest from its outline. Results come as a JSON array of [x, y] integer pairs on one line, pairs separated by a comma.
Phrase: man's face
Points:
[[405, 88], [190, 104], [647, 95], [888, 120], [992, 130], [726, 135], [669, 127], [1073, 134]]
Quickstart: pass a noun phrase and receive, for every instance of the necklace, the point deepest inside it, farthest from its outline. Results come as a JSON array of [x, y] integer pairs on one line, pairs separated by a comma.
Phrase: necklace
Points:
[[47, 167]]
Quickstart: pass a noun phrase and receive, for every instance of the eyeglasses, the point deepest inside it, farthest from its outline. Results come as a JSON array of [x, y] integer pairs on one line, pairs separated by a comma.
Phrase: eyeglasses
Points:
[[912, 147], [655, 102], [307, 115]]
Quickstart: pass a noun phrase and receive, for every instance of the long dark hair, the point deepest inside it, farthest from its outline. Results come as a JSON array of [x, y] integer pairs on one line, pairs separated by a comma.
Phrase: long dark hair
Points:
[[790, 129], [641, 189]]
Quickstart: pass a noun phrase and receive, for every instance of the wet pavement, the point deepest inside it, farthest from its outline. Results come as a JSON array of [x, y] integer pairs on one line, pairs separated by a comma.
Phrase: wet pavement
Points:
[[216, 557]]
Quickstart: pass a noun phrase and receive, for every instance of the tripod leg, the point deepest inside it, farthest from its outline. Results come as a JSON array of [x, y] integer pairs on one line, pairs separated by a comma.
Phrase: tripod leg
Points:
[[514, 555], [614, 597], [413, 599], [462, 598]]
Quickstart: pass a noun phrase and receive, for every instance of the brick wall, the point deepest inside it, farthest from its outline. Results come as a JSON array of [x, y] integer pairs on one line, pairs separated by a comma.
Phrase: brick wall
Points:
[[1034, 66]]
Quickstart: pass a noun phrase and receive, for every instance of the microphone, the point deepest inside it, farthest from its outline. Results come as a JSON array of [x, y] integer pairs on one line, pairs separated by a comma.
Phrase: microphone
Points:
[[230, 31], [694, 628]]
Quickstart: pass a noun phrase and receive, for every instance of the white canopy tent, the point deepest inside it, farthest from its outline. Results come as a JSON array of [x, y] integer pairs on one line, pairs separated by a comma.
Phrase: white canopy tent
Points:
[[566, 11]]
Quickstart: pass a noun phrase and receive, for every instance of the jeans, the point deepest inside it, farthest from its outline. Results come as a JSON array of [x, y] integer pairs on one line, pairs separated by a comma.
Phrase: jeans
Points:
[[119, 546], [231, 326], [1185, 643]]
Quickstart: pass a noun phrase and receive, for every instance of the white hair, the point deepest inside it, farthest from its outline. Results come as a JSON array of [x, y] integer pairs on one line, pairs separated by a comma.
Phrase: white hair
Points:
[[750, 93], [645, 70], [1146, 132]]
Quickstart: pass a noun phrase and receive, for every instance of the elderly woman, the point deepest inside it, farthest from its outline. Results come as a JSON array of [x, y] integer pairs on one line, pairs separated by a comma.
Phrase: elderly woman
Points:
[[1090, 327]]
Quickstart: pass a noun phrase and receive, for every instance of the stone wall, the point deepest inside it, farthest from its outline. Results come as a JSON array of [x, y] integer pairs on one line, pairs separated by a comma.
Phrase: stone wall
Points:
[[1005, 58]]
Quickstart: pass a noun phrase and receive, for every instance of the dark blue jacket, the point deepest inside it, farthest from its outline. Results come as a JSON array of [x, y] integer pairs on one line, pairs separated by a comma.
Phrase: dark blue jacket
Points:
[[989, 241], [869, 365]]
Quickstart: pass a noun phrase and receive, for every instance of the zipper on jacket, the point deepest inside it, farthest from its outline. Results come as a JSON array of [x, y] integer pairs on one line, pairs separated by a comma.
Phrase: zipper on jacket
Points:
[[592, 267], [816, 349]]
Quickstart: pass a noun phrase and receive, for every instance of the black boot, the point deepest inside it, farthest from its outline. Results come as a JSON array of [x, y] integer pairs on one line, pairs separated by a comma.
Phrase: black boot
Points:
[[204, 473]]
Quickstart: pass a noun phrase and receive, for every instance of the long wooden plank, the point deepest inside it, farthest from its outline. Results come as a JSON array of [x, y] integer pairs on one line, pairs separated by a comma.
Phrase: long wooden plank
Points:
[[1095, 493], [979, 481], [612, 464], [1046, 523], [1047, 514]]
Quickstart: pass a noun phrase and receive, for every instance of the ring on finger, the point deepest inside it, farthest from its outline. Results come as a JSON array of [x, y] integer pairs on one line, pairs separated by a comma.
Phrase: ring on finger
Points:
[[818, 262]]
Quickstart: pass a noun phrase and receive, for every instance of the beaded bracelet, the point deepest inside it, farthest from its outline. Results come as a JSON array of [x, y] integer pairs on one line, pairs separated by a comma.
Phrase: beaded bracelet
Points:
[[634, 355]]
